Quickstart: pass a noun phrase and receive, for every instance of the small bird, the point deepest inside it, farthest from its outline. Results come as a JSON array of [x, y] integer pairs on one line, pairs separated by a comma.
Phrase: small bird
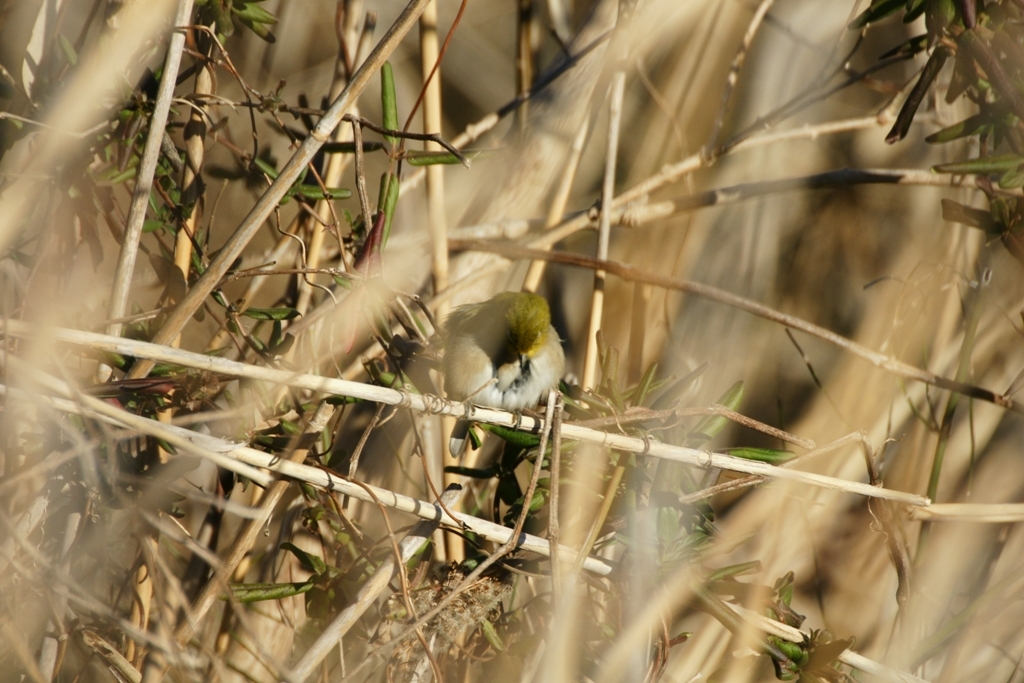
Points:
[[502, 353]]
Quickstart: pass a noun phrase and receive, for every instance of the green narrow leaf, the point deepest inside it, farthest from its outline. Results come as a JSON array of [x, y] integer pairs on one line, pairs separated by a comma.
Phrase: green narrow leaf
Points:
[[311, 562], [250, 11], [388, 101], [1000, 163], [911, 47], [645, 384], [342, 400], [68, 49], [915, 8], [386, 202], [314, 192], [275, 334], [270, 313], [420, 158], [955, 212], [350, 147], [940, 14], [1013, 178], [917, 95], [474, 472], [475, 440], [974, 125], [492, 635], [257, 19], [734, 570], [877, 10], [119, 178], [711, 426], [255, 592], [768, 455], [284, 346], [265, 167], [520, 439]]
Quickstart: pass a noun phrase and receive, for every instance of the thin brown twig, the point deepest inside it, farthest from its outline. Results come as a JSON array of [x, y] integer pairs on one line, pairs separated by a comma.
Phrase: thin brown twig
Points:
[[734, 72], [256, 272], [553, 515], [364, 200], [437, 63], [633, 274], [634, 415], [430, 137]]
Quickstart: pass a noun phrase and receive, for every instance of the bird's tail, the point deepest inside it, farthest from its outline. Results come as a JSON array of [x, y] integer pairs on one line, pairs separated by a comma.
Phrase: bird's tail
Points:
[[457, 442]]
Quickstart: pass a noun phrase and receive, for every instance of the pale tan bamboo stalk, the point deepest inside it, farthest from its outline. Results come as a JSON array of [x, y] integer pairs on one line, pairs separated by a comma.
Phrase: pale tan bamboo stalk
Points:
[[991, 513], [604, 230], [427, 403], [336, 163], [147, 167], [556, 211], [438, 227], [191, 181]]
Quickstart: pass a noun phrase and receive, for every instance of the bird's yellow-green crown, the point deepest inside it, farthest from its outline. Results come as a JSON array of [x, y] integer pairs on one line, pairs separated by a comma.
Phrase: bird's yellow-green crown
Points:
[[528, 318]]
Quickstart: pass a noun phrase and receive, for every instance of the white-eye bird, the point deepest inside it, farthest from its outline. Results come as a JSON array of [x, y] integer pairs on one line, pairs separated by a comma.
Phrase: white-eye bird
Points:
[[502, 353]]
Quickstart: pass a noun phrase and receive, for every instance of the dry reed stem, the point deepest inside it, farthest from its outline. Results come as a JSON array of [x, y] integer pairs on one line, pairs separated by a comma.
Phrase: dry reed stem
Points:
[[590, 357], [642, 212], [432, 120], [437, 224], [292, 470], [556, 211], [147, 167], [554, 529], [989, 513], [436, 405], [113, 658], [141, 424], [636, 209], [195, 148]]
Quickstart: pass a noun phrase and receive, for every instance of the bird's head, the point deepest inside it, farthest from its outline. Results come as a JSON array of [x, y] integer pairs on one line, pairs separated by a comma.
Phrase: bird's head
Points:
[[529, 320]]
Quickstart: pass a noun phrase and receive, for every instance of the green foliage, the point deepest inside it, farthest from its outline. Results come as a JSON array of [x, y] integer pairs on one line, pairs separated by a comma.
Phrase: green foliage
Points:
[[388, 102], [248, 12], [270, 313], [986, 43]]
